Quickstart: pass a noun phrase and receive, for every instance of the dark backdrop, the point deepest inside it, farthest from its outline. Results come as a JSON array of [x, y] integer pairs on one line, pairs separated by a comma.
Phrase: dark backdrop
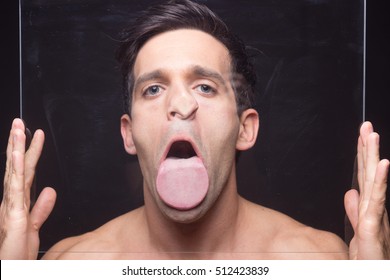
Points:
[[308, 103]]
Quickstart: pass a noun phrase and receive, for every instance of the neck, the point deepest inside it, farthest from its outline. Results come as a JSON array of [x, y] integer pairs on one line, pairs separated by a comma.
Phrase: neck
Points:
[[213, 233]]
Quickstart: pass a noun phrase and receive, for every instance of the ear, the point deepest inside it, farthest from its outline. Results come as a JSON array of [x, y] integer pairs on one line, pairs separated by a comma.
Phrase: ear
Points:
[[127, 134], [249, 126]]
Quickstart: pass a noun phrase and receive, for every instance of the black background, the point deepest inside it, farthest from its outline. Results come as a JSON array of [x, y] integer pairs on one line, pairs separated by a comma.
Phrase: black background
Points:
[[74, 222]]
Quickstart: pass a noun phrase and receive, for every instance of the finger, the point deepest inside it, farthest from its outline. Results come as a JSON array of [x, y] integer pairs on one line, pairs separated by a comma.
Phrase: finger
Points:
[[32, 157], [15, 194], [351, 204], [372, 159], [365, 130], [360, 163], [377, 204], [43, 207], [16, 124]]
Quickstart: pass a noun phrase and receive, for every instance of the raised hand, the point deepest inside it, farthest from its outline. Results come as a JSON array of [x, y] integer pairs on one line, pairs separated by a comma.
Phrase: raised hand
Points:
[[19, 228], [366, 209]]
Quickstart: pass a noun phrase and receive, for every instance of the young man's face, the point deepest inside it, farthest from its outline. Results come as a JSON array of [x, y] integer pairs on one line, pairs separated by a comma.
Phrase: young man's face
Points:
[[182, 93]]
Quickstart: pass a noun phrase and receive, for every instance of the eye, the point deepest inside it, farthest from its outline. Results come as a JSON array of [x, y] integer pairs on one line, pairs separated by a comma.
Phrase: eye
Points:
[[152, 90], [206, 89]]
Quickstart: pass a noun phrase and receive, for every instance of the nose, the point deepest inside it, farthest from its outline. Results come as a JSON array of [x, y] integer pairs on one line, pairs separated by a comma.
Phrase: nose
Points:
[[182, 104]]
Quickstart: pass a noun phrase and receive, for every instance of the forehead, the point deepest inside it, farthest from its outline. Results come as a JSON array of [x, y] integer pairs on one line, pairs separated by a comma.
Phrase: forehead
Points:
[[180, 49]]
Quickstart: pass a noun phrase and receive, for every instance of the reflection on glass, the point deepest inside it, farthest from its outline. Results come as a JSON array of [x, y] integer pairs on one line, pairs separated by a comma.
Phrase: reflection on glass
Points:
[[309, 60]]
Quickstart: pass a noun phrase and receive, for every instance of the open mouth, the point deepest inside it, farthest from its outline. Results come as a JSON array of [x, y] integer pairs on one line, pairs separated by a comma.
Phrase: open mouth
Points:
[[182, 181], [181, 149]]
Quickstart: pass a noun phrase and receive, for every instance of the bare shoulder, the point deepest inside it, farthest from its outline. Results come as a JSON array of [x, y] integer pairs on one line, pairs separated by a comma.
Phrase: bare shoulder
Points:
[[70, 245], [106, 242], [290, 239], [304, 242]]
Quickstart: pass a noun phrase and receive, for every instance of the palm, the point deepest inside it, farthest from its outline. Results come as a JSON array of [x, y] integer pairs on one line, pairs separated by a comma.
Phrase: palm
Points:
[[20, 228], [366, 208]]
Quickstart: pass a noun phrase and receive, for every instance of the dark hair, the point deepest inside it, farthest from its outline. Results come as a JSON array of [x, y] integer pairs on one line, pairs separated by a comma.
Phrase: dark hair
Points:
[[180, 14]]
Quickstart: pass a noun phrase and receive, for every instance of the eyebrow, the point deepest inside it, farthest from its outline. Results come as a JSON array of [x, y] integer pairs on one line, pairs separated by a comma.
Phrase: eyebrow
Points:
[[157, 74], [207, 73], [195, 70]]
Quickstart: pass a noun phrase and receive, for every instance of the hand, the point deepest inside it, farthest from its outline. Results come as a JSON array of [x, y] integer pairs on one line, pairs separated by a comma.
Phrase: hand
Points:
[[19, 229], [366, 209]]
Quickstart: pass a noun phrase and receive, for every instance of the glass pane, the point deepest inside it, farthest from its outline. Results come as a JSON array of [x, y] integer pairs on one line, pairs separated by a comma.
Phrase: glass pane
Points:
[[309, 60]]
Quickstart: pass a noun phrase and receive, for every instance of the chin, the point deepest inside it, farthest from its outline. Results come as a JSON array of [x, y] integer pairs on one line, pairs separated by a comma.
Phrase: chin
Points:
[[184, 216]]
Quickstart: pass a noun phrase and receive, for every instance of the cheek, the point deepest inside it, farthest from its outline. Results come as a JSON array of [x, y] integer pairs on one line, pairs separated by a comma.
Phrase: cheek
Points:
[[221, 142], [146, 118], [220, 117], [144, 142], [144, 136], [219, 130]]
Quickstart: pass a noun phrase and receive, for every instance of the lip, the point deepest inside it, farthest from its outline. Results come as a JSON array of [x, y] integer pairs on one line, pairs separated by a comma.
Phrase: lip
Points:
[[181, 138]]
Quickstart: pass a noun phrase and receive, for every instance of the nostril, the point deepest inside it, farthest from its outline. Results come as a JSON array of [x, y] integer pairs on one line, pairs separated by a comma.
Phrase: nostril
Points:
[[182, 106]]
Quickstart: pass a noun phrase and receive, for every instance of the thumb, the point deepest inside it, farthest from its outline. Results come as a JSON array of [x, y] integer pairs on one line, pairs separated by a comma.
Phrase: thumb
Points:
[[351, 204], [43, 207]]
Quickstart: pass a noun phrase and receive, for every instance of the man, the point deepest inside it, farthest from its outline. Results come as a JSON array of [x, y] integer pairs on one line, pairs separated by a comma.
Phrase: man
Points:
[[189, 88]]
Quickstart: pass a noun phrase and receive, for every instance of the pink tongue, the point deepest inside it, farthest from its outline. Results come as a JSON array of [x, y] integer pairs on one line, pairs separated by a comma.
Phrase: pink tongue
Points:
[[182, 183]]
